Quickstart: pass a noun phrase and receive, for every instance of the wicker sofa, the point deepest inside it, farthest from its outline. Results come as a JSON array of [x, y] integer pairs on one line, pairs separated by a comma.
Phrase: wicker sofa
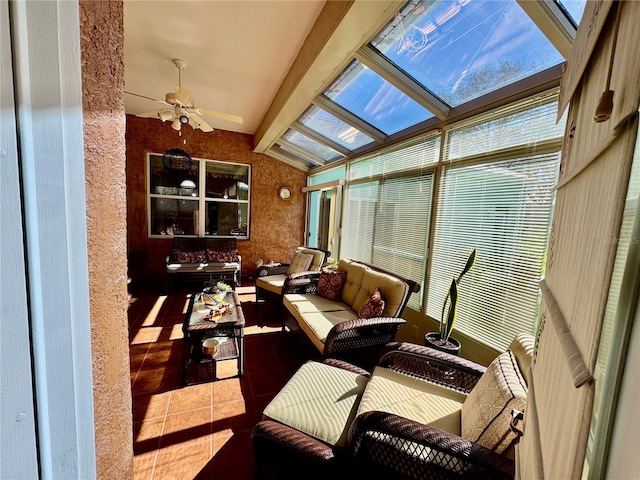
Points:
[[203, 259], [335, 326], [421, 414]]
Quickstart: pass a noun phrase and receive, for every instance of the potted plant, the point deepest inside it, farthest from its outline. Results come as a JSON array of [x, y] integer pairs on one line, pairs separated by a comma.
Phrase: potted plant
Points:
[[331, 264], [214, 293], [442, 339]]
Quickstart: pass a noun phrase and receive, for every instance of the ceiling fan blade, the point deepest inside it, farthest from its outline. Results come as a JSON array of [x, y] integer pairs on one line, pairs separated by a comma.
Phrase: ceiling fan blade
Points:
[[147, 97], [163, 114], [221, 115], [198, 123], [183, 97]]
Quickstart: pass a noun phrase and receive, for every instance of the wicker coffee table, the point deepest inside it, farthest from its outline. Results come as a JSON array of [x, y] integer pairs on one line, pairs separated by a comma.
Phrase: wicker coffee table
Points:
[[228, 329]]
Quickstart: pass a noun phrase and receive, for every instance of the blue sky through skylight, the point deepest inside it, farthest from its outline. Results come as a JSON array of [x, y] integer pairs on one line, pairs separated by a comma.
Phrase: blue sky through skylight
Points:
[[463, 49], [370, 97], [333, 128]]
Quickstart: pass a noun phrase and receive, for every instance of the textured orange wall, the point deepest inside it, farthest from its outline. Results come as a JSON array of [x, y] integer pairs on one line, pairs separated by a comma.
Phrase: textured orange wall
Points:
[[276, 226], [101, 30]]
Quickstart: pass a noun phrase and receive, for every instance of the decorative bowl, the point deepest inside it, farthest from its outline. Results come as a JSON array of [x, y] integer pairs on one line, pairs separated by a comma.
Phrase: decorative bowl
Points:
[[210, 346]]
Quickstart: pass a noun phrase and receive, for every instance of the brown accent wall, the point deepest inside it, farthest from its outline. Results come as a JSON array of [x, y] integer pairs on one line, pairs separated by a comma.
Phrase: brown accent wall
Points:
[[276, 226], [101, 30]]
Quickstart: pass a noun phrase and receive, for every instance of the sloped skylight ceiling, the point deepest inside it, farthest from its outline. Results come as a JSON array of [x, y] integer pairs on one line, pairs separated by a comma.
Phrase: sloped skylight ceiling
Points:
[[431, 57]]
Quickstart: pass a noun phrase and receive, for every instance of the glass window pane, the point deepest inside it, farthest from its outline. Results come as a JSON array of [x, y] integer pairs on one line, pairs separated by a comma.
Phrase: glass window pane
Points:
[[504, 210], [367, 95], [574, 8], [226, 218], [334, 129], [227, 181], [174, 216], [462, 50], [309, 145], [172, 181]]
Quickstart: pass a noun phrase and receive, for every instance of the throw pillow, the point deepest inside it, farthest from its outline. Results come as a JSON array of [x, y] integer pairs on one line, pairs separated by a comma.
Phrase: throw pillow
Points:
[[200, 256], [183, 257], [300, 263], [373, 307], [331, 283], [486, 413], [222, 256]]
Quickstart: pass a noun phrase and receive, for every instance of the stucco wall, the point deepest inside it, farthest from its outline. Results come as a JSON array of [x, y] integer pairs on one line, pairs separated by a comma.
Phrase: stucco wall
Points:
[[276, 226], [101, 32]]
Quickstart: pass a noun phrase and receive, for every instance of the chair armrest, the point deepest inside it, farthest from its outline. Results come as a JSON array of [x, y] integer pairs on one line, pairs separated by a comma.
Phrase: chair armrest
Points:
[[390, 444], [301, 282], [361, 333], [266, 270], [269, 437], [432, 365], [334, 362]]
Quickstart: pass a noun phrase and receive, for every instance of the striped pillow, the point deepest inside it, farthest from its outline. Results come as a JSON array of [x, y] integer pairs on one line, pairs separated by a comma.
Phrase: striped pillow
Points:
[[486, 413]]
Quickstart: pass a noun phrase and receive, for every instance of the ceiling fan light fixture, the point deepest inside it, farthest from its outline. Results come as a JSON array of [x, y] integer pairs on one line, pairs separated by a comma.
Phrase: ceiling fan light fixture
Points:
[[183, 119], [176, 125]]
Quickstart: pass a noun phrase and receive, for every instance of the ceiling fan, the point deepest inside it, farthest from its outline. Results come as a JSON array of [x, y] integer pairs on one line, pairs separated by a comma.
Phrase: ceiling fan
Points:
[[180, 109]]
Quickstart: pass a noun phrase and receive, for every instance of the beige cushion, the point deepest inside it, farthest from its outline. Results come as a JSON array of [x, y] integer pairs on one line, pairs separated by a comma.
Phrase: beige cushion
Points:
[[412, 398], [309, 303], [318, 258], [355, 272], [272, 283], [318, 325], [393, 291], [522, 347], [486, 413], [300, 263], [320, 401]]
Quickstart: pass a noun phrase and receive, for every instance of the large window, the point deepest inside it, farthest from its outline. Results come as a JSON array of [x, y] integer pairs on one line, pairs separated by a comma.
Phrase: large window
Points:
[[485, 183], [387, 213], [197, 197]]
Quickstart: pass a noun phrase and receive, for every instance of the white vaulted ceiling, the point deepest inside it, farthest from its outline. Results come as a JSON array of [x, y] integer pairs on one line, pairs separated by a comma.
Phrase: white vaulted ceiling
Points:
[[237, 52]]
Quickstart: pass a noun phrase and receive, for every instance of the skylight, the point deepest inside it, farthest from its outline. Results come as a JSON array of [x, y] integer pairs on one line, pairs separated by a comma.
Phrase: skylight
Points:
[[574, 8], [369, 96], [461, 50], [334, 129], [308, 145]]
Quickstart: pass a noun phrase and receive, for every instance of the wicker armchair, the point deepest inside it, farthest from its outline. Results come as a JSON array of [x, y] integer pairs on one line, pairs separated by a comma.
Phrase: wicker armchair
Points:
[[288, 443], [273, 280]]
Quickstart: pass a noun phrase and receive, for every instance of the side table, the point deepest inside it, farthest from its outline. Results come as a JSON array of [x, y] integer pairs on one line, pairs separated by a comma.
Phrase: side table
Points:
[[229, 330]]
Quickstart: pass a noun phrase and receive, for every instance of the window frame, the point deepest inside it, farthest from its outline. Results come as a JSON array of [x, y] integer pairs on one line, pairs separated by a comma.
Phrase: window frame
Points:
[[201, 198]]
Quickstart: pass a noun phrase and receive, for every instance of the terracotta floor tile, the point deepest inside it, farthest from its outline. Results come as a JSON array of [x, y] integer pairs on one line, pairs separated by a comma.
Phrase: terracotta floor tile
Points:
[[267, 382], [162, 358], [238, 416], [184, 461], [146, 435], [227, 390], [143, 465], [146, 335], [186, 426], [146, 407], [156, 381], [135, 361], [135, 350], [190, 398]]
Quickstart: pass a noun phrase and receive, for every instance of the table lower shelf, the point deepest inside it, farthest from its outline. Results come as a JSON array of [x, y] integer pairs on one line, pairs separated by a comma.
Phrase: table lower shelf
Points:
[[200, 368]]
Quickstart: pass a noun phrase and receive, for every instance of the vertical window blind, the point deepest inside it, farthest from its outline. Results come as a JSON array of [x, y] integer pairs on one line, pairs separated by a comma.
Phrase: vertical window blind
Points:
[[387, 210], [501, 204]]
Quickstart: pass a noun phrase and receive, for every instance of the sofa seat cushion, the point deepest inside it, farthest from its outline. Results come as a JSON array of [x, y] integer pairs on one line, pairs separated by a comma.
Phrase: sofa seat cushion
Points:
[[319, 400], [413, 398], [309, 303], [201, 267], [318, 325], [272, 283]]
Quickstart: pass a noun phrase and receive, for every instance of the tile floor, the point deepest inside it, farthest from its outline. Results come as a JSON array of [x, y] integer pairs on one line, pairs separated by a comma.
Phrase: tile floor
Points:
[[201, 431]]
